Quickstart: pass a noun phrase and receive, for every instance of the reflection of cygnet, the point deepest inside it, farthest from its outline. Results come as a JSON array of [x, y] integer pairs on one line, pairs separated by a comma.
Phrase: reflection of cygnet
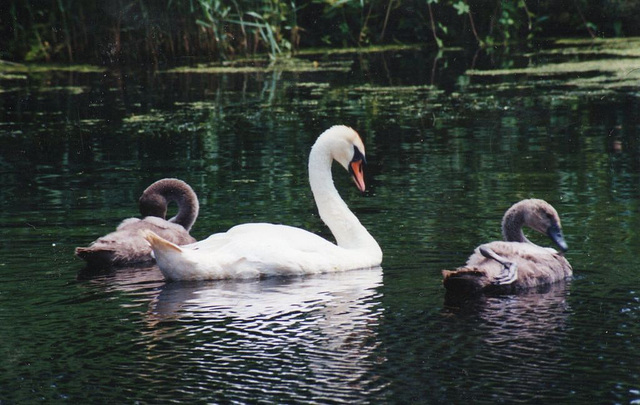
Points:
[[126, 246]]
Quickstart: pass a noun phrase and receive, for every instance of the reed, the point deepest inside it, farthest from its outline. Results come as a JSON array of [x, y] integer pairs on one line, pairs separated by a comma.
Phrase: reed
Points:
[[158, 31]]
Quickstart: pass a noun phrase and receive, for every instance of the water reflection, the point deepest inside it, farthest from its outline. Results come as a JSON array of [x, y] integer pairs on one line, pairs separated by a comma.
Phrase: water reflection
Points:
[[499, 349], [124, 279], [449, 151], [525, 319], [283, 338], [513, 344]]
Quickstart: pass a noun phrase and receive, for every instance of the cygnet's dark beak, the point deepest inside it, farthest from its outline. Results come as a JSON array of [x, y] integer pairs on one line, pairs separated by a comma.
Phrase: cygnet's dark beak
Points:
[[555, 234]]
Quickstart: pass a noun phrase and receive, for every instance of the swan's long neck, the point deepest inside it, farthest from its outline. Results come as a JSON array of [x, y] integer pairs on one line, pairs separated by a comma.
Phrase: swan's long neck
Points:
[[512, 223], [334, 212]]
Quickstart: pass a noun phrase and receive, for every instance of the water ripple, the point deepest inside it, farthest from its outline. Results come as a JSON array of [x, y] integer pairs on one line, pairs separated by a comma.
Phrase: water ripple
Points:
[[284, 339]]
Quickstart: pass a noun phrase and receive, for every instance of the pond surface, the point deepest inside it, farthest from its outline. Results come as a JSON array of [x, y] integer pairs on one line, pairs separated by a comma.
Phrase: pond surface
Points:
[[452, 141]]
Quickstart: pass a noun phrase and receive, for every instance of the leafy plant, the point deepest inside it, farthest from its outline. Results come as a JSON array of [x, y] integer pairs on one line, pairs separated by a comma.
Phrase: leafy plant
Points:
[[153, 31]]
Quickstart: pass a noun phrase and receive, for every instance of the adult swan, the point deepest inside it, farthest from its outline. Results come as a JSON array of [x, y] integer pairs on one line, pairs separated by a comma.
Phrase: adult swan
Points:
[[260, 249]]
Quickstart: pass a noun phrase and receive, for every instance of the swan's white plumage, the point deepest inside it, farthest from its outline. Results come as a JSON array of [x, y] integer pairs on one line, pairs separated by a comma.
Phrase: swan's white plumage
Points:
[[262, 249]]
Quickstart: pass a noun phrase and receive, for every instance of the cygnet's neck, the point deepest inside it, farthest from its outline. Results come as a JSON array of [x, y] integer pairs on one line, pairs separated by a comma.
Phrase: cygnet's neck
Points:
[[512, 223], [188, 208], [166, 191], [334, 212]]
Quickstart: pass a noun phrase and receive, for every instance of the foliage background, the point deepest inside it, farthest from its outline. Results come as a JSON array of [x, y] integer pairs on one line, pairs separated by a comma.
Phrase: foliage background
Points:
[[156, 31]]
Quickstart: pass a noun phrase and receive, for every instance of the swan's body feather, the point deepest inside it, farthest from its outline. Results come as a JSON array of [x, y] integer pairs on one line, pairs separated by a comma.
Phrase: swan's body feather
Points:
[[252, 251]]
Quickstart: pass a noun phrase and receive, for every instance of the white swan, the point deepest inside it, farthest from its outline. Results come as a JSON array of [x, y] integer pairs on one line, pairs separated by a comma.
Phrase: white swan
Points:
[[260, 249]]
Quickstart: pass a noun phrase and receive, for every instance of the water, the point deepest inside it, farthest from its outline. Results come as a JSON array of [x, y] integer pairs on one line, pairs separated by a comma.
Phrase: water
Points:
[[448, 149]]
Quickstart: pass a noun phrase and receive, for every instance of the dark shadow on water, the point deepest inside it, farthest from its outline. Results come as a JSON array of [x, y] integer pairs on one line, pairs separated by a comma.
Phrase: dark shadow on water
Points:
[[486, 349], [504, 330], [468, 303], [122, 278]]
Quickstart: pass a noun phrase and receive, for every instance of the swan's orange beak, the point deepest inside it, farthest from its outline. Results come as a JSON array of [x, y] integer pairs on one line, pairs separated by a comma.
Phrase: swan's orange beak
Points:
[[356, 170]]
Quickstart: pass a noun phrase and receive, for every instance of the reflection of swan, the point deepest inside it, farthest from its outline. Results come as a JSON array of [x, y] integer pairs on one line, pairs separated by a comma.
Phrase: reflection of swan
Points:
[[309, 333], [254, 250], [516, 263], [250, 299], [126, 246]]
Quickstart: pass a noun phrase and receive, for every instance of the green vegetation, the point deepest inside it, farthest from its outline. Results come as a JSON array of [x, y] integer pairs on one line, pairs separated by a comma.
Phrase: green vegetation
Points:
[[609, 64], [157, 31]]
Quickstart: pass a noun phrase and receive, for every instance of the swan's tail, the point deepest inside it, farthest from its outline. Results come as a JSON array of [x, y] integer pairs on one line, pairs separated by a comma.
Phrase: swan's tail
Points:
[[97, 257], [158, 243], [464, 281], [169, 256], [174, 262]]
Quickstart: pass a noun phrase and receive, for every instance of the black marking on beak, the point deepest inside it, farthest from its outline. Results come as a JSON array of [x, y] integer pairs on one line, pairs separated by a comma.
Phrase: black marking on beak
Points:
[[357, 155], [555, 233], [356, 168]]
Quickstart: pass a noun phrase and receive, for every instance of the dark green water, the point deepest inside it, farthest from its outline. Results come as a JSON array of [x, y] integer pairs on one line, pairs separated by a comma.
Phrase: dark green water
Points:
[[448, 153]]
